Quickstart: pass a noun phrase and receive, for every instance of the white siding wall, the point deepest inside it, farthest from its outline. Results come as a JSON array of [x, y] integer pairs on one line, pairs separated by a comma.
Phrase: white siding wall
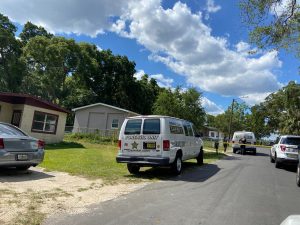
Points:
[[98, 117], [26, 124]]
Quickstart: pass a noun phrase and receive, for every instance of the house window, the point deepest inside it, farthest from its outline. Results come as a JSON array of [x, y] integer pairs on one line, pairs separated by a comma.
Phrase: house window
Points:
[[44, 122], [115, 124]]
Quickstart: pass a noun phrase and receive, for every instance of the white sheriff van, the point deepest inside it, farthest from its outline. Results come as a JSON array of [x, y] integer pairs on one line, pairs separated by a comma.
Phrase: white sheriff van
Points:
[[158, 141]]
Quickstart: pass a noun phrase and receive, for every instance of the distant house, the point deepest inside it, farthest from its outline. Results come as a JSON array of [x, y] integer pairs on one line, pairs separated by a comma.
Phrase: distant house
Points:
[[38, 118], [212, 133], [99, 116]]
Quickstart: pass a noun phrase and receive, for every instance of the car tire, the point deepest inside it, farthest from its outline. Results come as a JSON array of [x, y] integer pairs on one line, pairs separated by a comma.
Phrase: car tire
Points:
[[254, 152], [177, 165], [133, 168], [22, 168], [277, 163], [234, 150], [298, 176], [271, 158], [200, 157]]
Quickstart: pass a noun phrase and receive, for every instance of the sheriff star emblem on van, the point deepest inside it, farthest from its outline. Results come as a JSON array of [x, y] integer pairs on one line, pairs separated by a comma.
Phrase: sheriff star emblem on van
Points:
[[134, 145]]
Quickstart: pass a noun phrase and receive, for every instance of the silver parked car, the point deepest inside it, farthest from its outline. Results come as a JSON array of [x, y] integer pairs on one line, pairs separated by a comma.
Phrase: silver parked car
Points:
[[19, 150]]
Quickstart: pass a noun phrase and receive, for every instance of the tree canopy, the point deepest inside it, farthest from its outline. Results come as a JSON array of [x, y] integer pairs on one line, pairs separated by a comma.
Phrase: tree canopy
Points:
[[274, 23]]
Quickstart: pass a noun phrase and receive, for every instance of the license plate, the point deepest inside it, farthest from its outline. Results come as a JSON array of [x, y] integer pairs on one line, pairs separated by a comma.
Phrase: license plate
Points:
[[22, 157], [149, 145], [293, 156], [292, 150]]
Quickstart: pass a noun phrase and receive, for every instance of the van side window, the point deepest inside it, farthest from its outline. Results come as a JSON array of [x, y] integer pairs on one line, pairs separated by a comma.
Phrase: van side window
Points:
[[186, 130], [133, 127], [151, 126], [175, 127], [190, 131]]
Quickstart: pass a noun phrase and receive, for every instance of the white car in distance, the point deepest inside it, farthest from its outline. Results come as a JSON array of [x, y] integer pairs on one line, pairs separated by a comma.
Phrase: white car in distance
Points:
[[285, 151]]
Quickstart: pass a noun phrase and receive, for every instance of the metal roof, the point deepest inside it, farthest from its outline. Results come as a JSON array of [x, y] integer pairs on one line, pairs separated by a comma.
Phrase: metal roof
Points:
[[102, 104]]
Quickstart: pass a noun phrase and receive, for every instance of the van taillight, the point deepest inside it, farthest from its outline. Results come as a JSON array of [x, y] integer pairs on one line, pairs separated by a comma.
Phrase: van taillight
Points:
[[1, 143], [166, 145], [282, 147], [119, 143], [41, 144]]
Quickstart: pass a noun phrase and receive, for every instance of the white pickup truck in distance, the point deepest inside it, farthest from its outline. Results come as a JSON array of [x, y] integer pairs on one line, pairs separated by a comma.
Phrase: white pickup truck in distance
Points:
[[158, 141]]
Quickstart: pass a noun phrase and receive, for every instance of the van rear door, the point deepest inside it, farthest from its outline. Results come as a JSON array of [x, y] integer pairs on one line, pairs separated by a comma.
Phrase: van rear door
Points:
[[142, 137]]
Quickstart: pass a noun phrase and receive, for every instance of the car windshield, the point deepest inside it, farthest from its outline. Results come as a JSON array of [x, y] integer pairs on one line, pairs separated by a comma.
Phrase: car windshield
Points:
[[291, 141], [7, 130]]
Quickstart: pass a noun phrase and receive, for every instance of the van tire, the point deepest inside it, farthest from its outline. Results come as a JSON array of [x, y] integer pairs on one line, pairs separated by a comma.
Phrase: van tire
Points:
[[132, 168], [200, 157], [176, 166]]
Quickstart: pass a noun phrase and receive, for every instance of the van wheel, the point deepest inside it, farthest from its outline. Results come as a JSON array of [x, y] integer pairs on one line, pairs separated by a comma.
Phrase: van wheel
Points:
[[234, 150], [200, 157], [298, 177], [177, 165], [133, 169]]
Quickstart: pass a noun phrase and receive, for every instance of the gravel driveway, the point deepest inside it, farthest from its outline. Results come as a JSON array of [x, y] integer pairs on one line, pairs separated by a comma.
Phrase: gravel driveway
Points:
[[28, 197]]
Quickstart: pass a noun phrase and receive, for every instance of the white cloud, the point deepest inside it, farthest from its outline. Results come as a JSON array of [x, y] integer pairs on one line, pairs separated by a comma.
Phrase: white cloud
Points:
[[281, 7], [212, 7], [162, 81], [138, 75], [255, 98], [211, 107], [89, 17], [179, 39]]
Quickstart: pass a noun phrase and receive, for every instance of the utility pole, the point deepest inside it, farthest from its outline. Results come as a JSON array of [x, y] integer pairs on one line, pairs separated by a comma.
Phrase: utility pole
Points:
[[230, 121]]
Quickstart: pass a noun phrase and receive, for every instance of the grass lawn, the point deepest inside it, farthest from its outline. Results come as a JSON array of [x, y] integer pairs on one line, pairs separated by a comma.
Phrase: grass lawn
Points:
[[94, 160]]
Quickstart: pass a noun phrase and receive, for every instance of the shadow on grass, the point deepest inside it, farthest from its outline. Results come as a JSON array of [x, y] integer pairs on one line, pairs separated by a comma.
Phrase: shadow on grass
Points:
[[191, 172], [64, 145]]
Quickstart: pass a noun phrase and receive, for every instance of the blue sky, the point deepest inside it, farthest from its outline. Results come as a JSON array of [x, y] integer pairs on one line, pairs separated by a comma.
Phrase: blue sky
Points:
[[192, 43]]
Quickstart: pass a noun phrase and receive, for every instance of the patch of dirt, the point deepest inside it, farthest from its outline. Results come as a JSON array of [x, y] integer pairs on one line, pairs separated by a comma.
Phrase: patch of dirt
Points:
[[28, 197]]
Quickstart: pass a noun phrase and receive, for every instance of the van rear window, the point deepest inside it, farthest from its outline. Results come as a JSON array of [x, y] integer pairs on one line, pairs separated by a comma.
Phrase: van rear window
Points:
[[133, 127], [151, 126]]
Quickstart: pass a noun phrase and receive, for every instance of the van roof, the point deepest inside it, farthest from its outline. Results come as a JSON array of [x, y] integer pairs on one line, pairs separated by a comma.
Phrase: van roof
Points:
[[155, 116]]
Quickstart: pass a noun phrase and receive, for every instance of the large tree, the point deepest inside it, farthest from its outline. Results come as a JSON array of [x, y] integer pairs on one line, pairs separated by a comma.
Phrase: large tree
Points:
[[49, 62], [274, 23], [181, 104], [12, 68], [31, 30], [282, 110]]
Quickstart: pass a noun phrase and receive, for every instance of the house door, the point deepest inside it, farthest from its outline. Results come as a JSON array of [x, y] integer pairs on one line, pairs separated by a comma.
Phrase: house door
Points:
[[16, 118]]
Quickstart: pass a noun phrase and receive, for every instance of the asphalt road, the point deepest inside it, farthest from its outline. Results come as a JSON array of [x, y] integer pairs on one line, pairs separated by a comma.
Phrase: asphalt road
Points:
[[238, 190]]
